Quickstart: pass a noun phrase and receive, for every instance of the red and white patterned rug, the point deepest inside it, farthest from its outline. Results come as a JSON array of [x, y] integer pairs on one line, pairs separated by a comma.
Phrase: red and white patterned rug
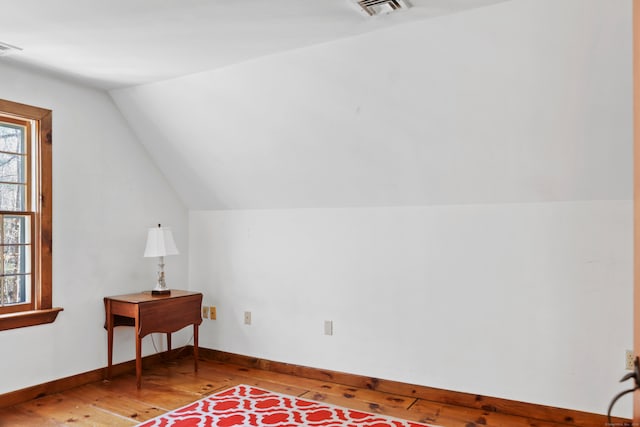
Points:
[[245, 405]]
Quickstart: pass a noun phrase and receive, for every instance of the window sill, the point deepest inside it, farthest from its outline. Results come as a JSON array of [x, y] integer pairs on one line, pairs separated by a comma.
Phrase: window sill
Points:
[[28, 318]]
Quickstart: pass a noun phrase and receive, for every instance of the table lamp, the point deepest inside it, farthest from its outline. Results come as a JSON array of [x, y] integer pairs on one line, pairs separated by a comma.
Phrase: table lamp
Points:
[[160, 243]]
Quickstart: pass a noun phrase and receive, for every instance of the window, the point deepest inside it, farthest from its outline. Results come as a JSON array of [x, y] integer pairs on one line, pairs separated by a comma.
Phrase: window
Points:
[[25, 216], [16, 213]]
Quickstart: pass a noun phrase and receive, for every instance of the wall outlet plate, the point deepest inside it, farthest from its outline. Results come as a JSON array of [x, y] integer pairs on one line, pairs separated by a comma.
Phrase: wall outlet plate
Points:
[[213, 314], [247, 317], [328, 327], [205, 312], [628, 360]]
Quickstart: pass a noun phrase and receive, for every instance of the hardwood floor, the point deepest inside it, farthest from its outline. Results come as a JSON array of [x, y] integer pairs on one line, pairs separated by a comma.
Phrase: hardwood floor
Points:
[[171, 385]]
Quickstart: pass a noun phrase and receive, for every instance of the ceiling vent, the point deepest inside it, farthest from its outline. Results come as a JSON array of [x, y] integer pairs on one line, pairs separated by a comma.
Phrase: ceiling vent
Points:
[[377, 7], [7, 49]]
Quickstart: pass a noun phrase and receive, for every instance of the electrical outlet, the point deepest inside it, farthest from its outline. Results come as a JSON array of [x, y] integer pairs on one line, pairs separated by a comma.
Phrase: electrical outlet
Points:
[[212, 312], [328, 327], [247, 317], [628, 360], [205, 312]]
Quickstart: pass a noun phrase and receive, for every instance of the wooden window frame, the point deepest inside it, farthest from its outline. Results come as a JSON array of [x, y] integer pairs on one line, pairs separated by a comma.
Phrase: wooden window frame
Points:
[[28, 208], [41, 310]]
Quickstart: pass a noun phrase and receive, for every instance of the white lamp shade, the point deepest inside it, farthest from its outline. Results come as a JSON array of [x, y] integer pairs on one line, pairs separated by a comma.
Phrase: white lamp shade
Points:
[[160, 243]]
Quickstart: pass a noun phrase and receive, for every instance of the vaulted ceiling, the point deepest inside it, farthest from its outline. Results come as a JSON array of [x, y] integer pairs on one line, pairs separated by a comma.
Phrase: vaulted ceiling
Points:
[[305, 104], [119, 43]]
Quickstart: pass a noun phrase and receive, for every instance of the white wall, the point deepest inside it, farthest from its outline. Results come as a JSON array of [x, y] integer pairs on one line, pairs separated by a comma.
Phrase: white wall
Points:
[[523, 301], [106, 192], [467, 185]]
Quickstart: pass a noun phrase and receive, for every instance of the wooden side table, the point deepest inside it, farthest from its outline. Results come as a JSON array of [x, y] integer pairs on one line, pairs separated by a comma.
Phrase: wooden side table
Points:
[[153, 313]]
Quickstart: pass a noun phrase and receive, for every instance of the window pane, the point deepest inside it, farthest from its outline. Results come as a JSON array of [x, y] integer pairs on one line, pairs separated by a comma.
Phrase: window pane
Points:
[[15, 230], [12, 197], [15, 290], [12, 167], [11, 138], [16, 259]]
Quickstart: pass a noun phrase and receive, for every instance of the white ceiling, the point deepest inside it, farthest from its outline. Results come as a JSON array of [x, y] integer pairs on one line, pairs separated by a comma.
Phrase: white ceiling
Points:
[[523, 101], [306, 104], [120, 43]]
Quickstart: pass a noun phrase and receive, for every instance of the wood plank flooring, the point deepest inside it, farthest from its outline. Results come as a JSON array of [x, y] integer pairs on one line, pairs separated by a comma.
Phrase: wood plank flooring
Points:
[[171, 385]]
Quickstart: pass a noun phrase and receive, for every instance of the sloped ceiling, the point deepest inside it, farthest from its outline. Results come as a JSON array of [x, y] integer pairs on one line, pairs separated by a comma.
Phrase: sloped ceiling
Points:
[[522, 101], [118, 43], [309, 103]]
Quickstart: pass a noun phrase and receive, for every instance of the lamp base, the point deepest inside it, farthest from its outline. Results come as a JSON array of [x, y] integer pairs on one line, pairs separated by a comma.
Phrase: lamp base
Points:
[[161, 292]]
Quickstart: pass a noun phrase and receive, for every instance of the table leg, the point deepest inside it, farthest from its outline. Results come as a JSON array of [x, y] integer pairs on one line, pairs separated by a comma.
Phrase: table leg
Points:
[[109, 339], [195, 347], [138, 354]]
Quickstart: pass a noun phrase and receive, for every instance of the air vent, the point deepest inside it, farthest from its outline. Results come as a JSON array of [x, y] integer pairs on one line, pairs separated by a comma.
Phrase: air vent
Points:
[[7, 49], [377, 7]]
